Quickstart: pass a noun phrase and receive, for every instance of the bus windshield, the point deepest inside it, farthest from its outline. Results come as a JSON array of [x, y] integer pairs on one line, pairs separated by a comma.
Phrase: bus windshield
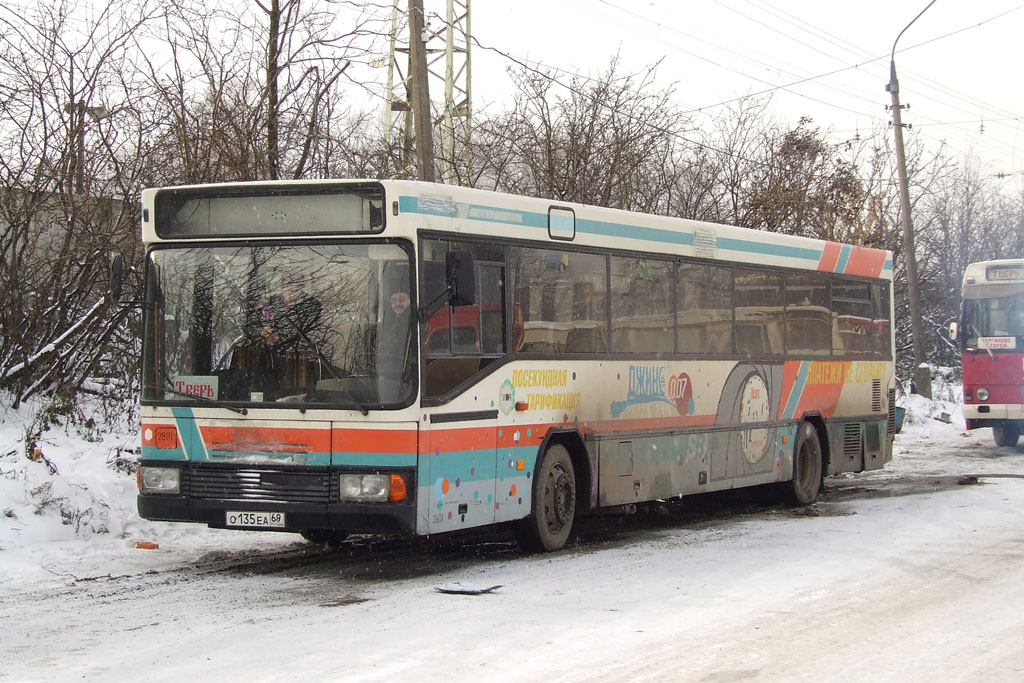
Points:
[[285, 324], [994, 317]]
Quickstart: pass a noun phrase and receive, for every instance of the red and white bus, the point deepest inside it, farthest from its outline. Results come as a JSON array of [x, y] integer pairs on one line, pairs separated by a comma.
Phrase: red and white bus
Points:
[[334, 357], [991, 334]]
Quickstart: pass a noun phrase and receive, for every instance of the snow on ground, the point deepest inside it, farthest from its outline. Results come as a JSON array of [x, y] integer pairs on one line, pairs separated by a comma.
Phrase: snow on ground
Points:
[[879, 587], [68, 512]]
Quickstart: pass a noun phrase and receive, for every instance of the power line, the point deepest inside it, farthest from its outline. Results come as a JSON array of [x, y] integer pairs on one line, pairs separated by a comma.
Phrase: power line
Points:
[[673, 134], [821, 79]]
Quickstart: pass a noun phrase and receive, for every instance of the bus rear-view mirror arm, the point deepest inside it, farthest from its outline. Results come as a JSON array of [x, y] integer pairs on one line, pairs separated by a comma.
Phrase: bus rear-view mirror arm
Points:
[[460, 285]]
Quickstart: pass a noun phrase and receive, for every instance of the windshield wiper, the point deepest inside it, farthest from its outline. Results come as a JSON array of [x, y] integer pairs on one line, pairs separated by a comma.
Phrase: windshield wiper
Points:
[[325, 363], [978, 335], [203, 399]]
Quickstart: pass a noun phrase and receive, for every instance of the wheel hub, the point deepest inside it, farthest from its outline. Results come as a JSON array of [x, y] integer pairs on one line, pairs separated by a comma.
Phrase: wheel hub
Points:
[[563, 503]]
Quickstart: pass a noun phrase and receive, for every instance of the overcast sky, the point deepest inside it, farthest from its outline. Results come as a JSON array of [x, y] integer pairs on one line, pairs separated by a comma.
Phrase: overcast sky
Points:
[[958, 64]]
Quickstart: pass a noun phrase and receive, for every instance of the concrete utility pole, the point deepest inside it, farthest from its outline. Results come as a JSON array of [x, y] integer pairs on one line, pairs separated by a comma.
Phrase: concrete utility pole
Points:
[[922, 378], [420, 93]]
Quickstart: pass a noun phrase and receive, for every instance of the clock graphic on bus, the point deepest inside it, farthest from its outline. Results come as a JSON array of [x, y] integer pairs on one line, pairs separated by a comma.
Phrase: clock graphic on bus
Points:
[[754, 407], [748, 409]]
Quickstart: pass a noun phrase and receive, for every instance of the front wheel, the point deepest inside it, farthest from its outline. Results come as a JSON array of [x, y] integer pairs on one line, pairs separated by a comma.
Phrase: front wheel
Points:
[[806, 482], [1007, 435], [554, 503]]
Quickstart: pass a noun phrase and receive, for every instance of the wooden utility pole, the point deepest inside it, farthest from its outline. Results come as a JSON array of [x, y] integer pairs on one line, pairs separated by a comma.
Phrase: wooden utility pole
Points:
[[273, 98], [420, 93], [922, 377], [922, 373]]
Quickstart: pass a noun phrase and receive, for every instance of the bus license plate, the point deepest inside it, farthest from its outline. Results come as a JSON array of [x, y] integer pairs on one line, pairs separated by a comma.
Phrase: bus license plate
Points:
[[274, 520]]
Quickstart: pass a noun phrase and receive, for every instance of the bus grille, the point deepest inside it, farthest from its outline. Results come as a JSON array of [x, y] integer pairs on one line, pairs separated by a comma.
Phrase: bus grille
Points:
[[260, 484], [876, 395]]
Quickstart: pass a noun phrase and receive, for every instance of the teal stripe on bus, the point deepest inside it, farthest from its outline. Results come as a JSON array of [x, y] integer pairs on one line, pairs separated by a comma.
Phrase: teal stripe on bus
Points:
[[532, 219], [760, 248], [844, 258], [374, 459], [154, 453], [634, 232], [184, 421]]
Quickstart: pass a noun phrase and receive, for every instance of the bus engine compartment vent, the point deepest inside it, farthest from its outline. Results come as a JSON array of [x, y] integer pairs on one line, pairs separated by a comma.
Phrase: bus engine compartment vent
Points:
[[851, 440]]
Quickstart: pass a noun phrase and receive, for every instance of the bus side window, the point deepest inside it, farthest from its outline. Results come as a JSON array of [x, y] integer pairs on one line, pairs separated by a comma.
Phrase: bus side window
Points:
[[492, 332]]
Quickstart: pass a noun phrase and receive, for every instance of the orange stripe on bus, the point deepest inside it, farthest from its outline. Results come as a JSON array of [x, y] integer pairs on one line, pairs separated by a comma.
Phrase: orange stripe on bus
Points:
[[865, 262], [221, 436], [153, 428], [375, 440], [829, 256], [468, 439]]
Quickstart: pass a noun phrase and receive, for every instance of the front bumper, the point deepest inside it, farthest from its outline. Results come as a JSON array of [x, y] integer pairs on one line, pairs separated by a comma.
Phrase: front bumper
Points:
[[308, 496], [978, 415]]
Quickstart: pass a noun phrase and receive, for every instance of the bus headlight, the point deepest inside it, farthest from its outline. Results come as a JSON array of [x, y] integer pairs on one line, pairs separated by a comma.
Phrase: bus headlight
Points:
[[364, 487], [371, 488], [160, 480], [982, 394]]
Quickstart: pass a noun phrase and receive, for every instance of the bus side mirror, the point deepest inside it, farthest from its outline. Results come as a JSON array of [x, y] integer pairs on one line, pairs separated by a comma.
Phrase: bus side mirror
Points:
[[116, 276], [954, 332], [461, 278]]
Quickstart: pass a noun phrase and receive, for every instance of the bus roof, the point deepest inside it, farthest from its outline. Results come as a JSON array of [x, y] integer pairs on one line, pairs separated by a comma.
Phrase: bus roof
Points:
[[469, 211], [1003, 277]]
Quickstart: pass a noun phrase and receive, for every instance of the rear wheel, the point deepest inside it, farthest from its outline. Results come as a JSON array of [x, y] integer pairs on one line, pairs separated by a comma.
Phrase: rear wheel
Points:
[[554, 503], [806, 483], [1007, 435], [328, 537]]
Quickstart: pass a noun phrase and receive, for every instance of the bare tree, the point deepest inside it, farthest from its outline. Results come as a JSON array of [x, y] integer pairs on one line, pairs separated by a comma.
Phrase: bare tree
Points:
[[604, 141], [255, 92], [70, 155]]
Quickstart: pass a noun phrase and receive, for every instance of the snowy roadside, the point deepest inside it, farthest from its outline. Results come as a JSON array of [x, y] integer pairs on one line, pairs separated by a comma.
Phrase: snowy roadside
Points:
[[69, 514], [68, 511]]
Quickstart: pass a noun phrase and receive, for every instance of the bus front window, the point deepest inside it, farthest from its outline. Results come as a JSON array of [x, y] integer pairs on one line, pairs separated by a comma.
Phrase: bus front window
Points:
[[283, 324], [994, 317]]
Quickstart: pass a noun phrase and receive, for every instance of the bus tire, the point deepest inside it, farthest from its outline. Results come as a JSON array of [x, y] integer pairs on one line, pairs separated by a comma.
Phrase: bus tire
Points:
[[1007, 434], [554, 503], [803, 489], [329, 537]]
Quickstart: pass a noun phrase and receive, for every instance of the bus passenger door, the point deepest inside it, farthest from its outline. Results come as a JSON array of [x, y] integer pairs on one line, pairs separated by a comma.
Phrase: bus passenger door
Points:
[[461, 451]]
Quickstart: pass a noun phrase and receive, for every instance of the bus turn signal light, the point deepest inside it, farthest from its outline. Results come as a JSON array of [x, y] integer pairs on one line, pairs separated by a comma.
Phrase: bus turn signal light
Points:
[[397, 491]]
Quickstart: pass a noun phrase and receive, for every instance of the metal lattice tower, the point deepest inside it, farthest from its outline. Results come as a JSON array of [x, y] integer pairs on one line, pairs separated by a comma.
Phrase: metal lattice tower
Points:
[[447, 39]]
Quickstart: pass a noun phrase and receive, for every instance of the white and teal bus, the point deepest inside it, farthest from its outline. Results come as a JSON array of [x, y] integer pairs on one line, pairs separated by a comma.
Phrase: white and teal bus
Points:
[[335, 357]]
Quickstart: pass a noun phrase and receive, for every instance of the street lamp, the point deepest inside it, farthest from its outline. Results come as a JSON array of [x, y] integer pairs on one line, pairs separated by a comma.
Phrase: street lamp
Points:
[[922, 379]]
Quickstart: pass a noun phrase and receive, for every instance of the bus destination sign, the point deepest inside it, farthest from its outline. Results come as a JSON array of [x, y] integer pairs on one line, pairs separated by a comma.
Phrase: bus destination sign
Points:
[[1006, 273]]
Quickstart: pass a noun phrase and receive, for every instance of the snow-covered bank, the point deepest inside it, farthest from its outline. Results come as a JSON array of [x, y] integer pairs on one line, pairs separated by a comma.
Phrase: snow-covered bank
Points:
[[68, 511]]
